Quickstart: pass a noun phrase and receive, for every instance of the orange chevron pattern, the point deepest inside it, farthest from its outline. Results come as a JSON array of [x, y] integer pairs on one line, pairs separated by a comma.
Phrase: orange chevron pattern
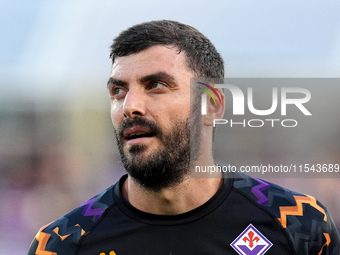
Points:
[[328, 241], [56, 230], [42, 238], [298, 209], [82, 230]]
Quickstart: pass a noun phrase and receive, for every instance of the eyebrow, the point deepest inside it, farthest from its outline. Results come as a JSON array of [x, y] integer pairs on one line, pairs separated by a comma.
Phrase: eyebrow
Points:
[[147, 78], [158, 76], [116, 82]]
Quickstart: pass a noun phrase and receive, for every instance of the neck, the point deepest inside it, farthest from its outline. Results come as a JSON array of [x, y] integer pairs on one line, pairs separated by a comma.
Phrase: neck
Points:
[[186, 196]]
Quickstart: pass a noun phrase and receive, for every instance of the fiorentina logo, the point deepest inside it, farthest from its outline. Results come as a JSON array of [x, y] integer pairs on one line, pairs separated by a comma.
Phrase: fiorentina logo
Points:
[[251, 242]]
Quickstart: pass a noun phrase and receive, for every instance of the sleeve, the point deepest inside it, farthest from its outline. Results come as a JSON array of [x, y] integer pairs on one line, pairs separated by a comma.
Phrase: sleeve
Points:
[[33, 248], [331, 238], [52, 239], [307, 222], [64, 235], [310, 226], [40, 243]]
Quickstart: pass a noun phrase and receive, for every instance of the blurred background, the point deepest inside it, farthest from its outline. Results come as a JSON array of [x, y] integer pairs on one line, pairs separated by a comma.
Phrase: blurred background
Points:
[[57, 146]]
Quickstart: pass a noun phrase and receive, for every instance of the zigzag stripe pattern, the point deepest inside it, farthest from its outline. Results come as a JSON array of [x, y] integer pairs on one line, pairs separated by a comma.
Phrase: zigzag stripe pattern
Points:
[[89, 211], [275, 194], [257, 191], [316, 234], [56, 230], [243, 183], [66, 231], [42, 239], [328, 242], [63, 232], [298, 209], [306, 222]]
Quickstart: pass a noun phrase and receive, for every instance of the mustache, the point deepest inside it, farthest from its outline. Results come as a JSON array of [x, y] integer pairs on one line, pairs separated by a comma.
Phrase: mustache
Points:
[[141, 122]]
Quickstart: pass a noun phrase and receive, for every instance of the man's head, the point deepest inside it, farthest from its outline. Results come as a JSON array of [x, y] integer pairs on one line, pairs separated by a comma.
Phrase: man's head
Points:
[[201, 55], [150, 99]]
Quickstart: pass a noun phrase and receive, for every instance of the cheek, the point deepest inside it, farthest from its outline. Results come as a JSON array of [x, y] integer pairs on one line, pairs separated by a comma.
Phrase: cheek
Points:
[[183, 105], [116, 114], [177, 110]]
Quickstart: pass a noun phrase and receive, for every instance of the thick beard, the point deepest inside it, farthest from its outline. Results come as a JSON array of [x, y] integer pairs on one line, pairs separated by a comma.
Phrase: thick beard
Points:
[[170, 164]]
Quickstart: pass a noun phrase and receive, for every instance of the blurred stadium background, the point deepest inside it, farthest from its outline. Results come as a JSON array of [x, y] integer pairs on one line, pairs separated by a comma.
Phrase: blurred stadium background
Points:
[[57, 146]]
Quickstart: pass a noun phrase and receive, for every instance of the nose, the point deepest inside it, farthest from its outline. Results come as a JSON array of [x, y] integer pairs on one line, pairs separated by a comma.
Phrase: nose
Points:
[[134, 103]]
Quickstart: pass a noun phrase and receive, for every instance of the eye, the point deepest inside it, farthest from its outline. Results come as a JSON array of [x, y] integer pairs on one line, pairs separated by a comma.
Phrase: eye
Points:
[[117, 91], [156, 84]]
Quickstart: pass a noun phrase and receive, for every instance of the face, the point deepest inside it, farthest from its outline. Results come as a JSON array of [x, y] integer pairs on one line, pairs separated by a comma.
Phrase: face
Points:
[[150, 110]]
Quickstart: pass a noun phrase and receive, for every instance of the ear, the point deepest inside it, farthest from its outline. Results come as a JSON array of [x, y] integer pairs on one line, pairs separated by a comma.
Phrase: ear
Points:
[[215, 109]]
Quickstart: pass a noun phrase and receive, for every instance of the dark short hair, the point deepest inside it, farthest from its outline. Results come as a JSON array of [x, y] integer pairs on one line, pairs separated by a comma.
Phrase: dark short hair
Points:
[[201, 55]]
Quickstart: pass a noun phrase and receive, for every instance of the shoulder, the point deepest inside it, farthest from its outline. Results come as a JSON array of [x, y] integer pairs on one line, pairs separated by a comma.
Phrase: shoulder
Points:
[[306, 221], [63, 235]]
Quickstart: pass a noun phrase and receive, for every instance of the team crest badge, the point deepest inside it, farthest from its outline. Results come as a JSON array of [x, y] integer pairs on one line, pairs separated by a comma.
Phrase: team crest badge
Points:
[[251, 242]]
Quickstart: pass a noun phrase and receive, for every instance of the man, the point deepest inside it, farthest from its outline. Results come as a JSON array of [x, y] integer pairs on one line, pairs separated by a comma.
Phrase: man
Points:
[[157, 208]]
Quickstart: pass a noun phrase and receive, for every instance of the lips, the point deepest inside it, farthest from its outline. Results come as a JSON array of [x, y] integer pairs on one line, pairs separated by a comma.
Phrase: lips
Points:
[[134, 133]]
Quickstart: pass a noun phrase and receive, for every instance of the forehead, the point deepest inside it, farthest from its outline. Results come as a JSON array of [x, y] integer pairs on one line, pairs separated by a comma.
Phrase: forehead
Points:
[[159, 58]]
